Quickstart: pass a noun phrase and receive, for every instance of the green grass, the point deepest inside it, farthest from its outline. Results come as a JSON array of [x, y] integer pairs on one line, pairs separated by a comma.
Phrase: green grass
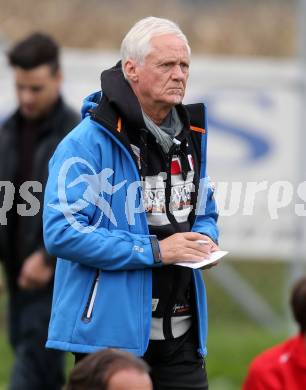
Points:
[[6, 360], [230, 349], [233, 339]]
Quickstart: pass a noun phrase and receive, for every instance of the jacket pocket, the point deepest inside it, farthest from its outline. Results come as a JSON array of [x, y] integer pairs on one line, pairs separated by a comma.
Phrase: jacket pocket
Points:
[[87, 313]]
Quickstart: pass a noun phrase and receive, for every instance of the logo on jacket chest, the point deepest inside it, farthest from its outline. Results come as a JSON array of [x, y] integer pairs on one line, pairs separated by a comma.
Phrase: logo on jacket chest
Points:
[[154, 195], [86, 189]]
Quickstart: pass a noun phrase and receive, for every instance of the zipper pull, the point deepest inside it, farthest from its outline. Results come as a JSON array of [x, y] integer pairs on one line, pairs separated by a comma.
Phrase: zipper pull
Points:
[[91, 299]]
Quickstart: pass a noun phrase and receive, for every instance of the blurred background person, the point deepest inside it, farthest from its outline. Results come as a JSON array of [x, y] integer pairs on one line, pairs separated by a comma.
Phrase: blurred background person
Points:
[[28, 139], [110, 369], [283, 367]]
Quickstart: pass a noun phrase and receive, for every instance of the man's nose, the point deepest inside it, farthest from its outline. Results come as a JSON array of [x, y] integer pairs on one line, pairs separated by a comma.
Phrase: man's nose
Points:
[[26, 97], [177, 73]]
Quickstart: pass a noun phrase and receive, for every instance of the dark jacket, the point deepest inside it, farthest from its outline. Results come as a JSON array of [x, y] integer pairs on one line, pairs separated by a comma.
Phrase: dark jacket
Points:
[[172, 285], [103, 283], [52, 129]]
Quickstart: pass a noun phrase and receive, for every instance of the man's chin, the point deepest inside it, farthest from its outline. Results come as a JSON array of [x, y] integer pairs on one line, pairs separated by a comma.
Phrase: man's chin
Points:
[[31, 115], [176, 99]]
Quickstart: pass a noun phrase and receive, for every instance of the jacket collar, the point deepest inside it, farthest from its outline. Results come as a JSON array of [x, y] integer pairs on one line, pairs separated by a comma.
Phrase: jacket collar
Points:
[[46, 124]]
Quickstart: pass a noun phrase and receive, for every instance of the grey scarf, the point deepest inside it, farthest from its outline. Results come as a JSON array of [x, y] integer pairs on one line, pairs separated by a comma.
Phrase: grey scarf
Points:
[[165, 133]]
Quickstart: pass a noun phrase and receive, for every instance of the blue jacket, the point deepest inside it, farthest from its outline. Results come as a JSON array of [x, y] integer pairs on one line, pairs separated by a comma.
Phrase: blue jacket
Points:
[[103, 285]]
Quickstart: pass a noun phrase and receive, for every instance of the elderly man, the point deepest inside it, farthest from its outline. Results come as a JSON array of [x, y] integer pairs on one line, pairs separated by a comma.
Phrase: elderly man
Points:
[[120, 211]]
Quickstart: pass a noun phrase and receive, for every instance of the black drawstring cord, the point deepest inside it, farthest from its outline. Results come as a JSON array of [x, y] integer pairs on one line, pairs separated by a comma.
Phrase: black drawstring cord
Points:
[[143, 146], [184, 162]]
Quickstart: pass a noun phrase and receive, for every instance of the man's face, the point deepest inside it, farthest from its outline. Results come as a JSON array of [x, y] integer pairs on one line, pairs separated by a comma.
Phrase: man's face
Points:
[[37, 90], [163, 76], [129, 379]]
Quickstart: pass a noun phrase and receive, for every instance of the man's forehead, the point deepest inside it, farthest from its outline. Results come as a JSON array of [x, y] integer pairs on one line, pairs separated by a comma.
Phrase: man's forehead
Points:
[[168, 40], [168, 45], [37, 73]]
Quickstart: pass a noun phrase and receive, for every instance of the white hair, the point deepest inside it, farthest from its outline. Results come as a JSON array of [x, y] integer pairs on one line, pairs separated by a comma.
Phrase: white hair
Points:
[[136, 44]]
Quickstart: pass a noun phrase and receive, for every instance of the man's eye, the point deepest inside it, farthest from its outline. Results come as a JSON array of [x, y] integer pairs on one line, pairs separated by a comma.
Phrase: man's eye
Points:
[[36, 89], [167, 65], [184, 67]]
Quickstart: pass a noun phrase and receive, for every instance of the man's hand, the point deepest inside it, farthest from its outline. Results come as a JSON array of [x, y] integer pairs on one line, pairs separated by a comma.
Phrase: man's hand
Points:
[[35, 273], [185, 247]]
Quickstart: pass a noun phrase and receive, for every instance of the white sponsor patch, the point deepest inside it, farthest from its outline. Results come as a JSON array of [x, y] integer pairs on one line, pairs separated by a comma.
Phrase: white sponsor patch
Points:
[[154, 303], [137, 248], [154, 196]]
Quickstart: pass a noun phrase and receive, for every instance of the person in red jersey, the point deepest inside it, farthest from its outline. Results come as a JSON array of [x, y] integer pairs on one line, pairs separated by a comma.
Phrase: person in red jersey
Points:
[[283, 367]]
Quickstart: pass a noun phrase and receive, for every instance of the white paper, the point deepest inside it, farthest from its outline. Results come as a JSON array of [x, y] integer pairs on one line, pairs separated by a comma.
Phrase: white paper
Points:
[[214, 256]]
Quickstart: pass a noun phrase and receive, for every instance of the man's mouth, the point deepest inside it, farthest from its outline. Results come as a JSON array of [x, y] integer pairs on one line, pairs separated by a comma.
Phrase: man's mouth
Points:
[[177, 91]]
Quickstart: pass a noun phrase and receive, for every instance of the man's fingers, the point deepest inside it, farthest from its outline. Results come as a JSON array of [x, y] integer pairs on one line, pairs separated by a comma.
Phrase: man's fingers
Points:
[[199, 247], [194, 252], [28, 280], [191, 258], [24, 282], [193, 236], [28, 284], [189, 246], [215, 248]]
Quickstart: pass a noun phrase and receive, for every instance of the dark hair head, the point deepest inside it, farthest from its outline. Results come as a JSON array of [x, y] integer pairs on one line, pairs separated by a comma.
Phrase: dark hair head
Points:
[[35, 50], [298, 303], [95, 370]]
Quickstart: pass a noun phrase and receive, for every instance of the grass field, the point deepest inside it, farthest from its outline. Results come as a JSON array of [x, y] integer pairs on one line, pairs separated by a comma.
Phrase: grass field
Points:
[[233, 339]]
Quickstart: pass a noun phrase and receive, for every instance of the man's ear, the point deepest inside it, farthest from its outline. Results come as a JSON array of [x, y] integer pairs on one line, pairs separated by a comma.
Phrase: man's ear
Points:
[[130, 68]]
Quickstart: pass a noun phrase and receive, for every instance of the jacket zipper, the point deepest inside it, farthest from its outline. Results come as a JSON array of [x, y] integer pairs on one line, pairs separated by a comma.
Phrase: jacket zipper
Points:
[[87, 314]]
